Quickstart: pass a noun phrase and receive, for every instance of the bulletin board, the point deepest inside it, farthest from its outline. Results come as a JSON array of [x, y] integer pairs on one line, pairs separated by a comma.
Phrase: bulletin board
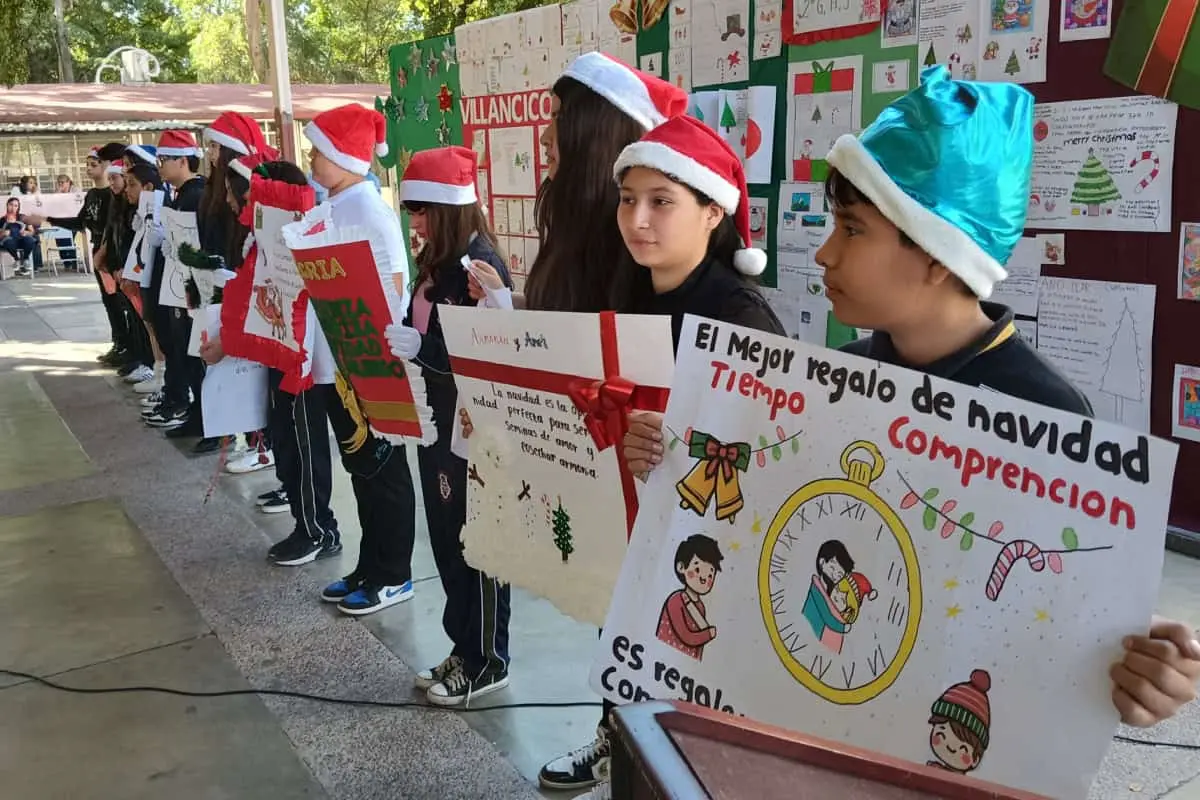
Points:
[[888, 62]]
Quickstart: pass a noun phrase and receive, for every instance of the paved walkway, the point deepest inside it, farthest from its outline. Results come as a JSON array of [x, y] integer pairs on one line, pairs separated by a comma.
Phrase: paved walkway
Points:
[[115, 572]]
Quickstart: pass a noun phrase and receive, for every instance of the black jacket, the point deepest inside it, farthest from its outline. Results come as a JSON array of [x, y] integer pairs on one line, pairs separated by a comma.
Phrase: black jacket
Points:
[[450, 288], [92, 217], [716, 293], [185, 198], [1012, 367]]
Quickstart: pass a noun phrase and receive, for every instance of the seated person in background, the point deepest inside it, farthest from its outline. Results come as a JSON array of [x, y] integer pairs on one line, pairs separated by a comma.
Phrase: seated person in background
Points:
[[19, 239], [64, 240]]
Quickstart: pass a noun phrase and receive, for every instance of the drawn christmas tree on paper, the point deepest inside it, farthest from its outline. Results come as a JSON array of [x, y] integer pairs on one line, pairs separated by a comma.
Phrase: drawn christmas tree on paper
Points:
[[1094, 186], [1013, 66], [930, 57], [1123, 370], [728, 118], [562, 531], [816, 117]]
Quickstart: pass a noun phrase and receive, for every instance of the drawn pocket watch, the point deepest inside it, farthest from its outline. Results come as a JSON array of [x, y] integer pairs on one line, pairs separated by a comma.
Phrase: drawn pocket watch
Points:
[[839, 584]]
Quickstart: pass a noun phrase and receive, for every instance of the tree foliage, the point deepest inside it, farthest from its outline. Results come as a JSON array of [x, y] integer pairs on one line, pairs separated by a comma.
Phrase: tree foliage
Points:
[[209, 41]]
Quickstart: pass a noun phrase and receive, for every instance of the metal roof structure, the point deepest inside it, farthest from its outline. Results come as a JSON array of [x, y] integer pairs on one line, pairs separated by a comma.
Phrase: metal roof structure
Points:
[[93, 127], [53, 107]]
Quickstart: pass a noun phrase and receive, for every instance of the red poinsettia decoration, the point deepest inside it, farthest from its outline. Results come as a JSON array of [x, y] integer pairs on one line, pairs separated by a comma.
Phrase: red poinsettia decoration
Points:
[[445, 98]]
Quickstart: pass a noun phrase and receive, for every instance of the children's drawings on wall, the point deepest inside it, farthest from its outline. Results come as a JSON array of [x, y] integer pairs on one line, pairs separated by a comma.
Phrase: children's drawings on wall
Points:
[[1185, 403], [745, 118], [840, 562], [768, 30], [899, 28], [992, 40], [719, 39], [512, 160], [1189, 261], [679, 55], [889, 77], [812, 16], [824, 102], [652, 64], [1019, 291], [1099, 334], [1084, 19], [549, 503], [1103, 164], [758, 222]]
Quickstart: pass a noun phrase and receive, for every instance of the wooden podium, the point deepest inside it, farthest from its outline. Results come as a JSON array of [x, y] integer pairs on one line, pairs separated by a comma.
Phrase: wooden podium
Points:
[[677, 751]]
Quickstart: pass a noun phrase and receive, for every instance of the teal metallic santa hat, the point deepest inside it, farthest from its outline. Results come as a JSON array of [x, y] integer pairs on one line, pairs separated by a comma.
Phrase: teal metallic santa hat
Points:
[[950, 165]]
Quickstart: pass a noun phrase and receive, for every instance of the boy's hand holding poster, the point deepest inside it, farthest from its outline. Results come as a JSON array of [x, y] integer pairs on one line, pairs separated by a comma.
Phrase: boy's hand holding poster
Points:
[[179, 228], [941, 573], [550, 504], [261, 318], [353, 305]]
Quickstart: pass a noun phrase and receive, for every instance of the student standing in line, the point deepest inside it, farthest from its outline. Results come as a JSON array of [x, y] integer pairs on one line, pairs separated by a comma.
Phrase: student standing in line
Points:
[[114, 249], [918, 273], [438, 192], [178, 160], [344, 141], [143, 179], [135, 155], [600, 106]]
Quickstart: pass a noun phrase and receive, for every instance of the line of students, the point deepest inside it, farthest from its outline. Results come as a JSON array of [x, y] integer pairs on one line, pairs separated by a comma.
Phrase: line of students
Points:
[[646, 211]]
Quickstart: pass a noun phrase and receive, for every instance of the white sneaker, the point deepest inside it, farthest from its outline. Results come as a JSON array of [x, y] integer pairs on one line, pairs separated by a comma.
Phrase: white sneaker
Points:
[[152, 399], [601, 791], [140, 374], [153, 383], [579, 769], [250, 461]]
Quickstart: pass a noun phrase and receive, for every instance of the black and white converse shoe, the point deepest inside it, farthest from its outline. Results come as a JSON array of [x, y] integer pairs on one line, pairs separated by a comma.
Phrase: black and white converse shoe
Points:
[[579, 769], [426, 678], [298, 550], [458, 688]]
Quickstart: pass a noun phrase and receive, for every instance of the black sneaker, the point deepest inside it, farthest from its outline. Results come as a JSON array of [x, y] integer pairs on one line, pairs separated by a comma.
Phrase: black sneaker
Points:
[[210, 444], [167, 417], [277, 504], [298, 550], [579, 769], [191, 428], [267, 497], [340, 589], [108, 355], [427, 678], [459, 689]]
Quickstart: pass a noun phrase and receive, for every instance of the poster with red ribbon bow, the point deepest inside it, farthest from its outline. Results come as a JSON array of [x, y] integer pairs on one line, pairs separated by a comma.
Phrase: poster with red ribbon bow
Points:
[[550, 500]]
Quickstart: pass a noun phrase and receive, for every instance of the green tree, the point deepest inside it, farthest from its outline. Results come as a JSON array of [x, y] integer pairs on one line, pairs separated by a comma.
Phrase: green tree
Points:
[[1094, 186], [562, 531], [1013, 66], [26, 41], [930, 57], [728, 119]]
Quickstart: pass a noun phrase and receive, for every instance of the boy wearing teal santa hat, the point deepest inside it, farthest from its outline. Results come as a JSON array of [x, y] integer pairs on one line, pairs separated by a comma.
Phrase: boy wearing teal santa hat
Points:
[[930, 201]]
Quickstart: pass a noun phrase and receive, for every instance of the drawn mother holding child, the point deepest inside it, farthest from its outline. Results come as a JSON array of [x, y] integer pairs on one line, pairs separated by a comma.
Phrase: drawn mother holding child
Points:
[[836, 595]]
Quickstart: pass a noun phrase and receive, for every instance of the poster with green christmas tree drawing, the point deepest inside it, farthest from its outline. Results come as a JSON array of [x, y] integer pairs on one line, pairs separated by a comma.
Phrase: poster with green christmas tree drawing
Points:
[[1013, 66], [423, 109], [1094, 187], [728, 118], [562, 531]]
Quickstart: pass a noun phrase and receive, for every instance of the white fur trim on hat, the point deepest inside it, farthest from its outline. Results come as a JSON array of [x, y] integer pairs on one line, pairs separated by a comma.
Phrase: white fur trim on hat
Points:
[[241, 169], [433, 192], [141, 154], [381, 149], [236, 145], [179, 152], [948, 243], [325, 146], [617, 84], [656, 155], [115, 167], [750, 261]]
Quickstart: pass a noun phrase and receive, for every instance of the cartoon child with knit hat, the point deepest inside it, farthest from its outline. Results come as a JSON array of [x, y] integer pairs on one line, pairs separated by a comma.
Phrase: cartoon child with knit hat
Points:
[[960, 720]]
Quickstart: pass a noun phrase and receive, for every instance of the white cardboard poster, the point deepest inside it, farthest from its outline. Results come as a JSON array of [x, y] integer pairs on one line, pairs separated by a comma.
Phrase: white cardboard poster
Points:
[[277, 282], [179, 227], [1100, 333], [546, 503], [59, 204], [1103, 164], [867, 554], [234, 399]]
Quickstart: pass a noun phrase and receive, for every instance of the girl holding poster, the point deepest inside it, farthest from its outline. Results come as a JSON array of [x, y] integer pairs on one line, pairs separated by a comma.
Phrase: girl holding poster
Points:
[[438, 191]]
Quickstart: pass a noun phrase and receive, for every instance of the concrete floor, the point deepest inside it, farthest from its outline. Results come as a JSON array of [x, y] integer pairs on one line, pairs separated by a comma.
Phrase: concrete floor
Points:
[[108, 584]]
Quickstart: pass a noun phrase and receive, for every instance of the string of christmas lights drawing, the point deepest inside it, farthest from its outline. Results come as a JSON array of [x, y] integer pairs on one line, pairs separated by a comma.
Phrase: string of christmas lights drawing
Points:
[[1011, 550]]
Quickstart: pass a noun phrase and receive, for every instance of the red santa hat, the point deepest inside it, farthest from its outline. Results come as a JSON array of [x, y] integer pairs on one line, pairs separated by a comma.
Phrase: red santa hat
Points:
[[246, 164], [94, 152], [647, 100], [862, 588], [690, 152], [444, 175], [177, 144], [237, 132], [349, 135]]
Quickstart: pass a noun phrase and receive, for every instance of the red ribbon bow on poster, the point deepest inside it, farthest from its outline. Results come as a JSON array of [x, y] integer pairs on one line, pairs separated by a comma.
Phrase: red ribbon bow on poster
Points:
[[723, 457], [604, 402]]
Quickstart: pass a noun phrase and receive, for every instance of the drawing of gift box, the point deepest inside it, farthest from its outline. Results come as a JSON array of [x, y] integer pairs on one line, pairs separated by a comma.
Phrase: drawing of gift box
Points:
[[818, 122]]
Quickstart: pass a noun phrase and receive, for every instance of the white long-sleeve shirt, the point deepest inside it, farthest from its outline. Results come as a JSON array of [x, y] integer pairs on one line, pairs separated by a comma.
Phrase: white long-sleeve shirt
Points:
[[361, 206]]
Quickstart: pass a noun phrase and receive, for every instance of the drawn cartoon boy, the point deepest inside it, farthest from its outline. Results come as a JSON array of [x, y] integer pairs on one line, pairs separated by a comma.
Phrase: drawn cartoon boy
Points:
[[827, 620], [682, 623], [960, 720]]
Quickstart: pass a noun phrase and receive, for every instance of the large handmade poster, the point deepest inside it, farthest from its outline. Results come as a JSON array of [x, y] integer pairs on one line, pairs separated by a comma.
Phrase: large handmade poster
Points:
[[550, 503], [179, 228], [262, 318], [353, 306], [234, 399], [919, 568]]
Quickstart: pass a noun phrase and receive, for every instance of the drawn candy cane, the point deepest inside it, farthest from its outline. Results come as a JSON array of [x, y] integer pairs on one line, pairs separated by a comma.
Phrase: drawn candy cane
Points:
[[1152, 157], [1009, 555]]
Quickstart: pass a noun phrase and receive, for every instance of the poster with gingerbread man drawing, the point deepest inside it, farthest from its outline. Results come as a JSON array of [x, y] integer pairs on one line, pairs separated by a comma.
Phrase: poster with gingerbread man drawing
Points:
[[867, 554]]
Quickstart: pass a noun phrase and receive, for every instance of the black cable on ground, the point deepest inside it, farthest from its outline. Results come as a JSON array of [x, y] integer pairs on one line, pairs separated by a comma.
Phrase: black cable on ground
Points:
[[348, 701]]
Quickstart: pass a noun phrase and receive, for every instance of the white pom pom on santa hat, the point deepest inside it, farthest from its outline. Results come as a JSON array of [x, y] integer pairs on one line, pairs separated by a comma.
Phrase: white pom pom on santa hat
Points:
[[692, 153]]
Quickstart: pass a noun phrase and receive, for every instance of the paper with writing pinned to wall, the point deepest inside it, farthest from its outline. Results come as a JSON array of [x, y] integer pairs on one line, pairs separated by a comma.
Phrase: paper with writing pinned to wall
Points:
[[867, 554], [547, 500]]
